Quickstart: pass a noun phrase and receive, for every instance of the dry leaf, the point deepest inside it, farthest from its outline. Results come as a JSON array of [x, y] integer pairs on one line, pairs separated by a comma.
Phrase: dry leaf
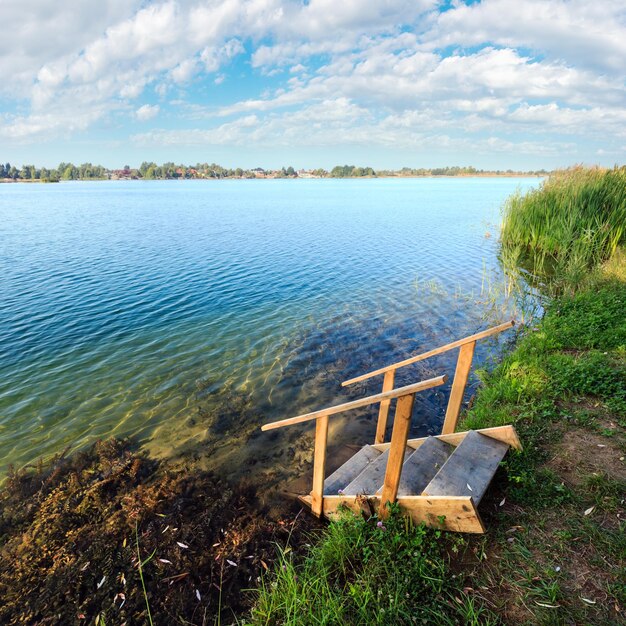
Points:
[[503, 501], [590, 510]]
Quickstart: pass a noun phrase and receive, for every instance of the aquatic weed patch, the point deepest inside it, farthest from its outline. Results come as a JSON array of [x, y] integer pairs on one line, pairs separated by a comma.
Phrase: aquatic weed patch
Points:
[[72, 536]]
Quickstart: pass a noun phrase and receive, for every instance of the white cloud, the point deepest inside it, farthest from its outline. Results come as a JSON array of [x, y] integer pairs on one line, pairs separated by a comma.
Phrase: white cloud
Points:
[[579, 32], [147, 112]]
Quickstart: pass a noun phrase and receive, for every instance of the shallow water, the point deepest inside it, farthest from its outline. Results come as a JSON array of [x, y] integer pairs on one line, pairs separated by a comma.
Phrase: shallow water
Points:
[[185, 314]]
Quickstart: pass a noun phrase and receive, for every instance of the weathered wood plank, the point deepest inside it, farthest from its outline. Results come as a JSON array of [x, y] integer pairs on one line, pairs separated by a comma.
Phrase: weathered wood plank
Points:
[[463, 366], [319, 465], [355, 404], [420, 357], [399, 436], [422, 466], [343, 475], [469, 469], [383, 411], [371, 479], [506, 434], [448, 513]]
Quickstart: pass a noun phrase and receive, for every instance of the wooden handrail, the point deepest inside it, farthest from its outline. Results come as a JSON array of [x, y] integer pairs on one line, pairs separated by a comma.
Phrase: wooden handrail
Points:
[[425, 355], [355, 404]]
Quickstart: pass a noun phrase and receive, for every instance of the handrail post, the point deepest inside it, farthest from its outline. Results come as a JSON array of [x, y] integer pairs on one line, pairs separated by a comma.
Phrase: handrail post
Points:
[[319, 465], [383, 411], [399, 437], [463, 365]]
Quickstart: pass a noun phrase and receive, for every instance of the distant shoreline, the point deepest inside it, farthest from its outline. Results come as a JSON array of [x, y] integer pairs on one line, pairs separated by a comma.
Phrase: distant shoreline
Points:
[[10, 181]]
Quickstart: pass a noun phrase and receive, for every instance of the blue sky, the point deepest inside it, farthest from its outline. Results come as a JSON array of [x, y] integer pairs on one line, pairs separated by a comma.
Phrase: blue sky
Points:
[[496, 84]]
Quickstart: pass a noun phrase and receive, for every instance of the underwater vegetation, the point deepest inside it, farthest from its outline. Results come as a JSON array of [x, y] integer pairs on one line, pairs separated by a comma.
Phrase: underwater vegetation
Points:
[[109, 537]]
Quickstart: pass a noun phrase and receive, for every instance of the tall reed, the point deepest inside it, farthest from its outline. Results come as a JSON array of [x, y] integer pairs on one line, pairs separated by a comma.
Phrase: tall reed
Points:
[[575, 220]]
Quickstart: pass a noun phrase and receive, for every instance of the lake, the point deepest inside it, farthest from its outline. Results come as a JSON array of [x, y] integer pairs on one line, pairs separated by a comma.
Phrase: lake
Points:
[[185, 314]]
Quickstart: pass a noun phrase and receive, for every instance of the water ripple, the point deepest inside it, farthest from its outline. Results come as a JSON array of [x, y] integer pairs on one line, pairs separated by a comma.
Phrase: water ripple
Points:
[[184, 314]]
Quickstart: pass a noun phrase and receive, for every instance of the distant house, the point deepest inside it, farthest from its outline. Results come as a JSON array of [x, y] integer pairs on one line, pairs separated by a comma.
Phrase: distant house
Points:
[[121, 174]]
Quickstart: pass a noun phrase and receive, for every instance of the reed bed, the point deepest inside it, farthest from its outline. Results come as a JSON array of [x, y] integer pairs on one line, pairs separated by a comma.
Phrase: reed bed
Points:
[[573, 222]]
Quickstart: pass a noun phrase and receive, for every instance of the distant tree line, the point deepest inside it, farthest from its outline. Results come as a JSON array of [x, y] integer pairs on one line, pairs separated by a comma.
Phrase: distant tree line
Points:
[[351, 171], [64, 171], [455, 170], [167, 171]]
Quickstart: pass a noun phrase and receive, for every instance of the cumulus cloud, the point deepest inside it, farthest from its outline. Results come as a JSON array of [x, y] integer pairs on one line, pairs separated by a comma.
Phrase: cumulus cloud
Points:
[[147, 112]]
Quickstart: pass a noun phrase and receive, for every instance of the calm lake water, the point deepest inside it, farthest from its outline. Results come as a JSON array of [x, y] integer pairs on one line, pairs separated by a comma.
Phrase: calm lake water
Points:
[[185, 314]]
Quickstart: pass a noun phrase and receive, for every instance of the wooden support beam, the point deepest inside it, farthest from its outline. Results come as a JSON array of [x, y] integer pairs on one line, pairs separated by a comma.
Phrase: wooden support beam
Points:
[[319, 465], [355, 404], [420, 357], [463, 365], [399, 436], [453, 513], [383, 411]]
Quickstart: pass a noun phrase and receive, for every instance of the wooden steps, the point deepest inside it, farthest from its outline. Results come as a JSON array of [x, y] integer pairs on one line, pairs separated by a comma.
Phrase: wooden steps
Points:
[[436, 480], [421, 467], [443, 477], [469, 470], [371, 478], [350, 470]]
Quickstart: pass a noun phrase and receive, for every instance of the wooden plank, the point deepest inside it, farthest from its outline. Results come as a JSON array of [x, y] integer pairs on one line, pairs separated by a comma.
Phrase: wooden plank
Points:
[[469, 469], [422, 466], [463, 366], [355, 404], [501, 433], [371, 479], [454, 514], [420, 357], [343, 475], [319, 465], [399, 436], [383, 411]]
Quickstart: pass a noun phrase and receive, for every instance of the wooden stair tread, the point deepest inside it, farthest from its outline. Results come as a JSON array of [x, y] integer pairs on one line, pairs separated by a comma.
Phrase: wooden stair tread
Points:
[[371, 479], [350, 470], [469, 469], [422, 466]]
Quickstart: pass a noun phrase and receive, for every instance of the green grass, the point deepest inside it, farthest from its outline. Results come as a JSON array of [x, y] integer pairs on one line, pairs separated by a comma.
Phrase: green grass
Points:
[[360, 571], [573, 222], [566, 377]]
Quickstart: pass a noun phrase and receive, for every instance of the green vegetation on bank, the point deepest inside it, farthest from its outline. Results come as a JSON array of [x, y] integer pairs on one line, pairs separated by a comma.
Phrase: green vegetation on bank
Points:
[[149, 170], [555, 550], [575, 220]]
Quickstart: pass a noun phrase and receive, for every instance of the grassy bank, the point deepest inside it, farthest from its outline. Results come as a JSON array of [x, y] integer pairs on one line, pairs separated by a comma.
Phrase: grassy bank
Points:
[[573, 222], [555, 551]]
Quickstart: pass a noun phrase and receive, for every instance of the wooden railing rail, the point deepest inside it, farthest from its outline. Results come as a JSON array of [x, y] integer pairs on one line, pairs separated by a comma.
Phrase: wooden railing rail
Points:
[[355, 404], [405, 397], [464, 363]]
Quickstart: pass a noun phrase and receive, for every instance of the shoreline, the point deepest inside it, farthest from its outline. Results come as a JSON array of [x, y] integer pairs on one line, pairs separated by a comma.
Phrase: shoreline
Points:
[[99, 180]]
